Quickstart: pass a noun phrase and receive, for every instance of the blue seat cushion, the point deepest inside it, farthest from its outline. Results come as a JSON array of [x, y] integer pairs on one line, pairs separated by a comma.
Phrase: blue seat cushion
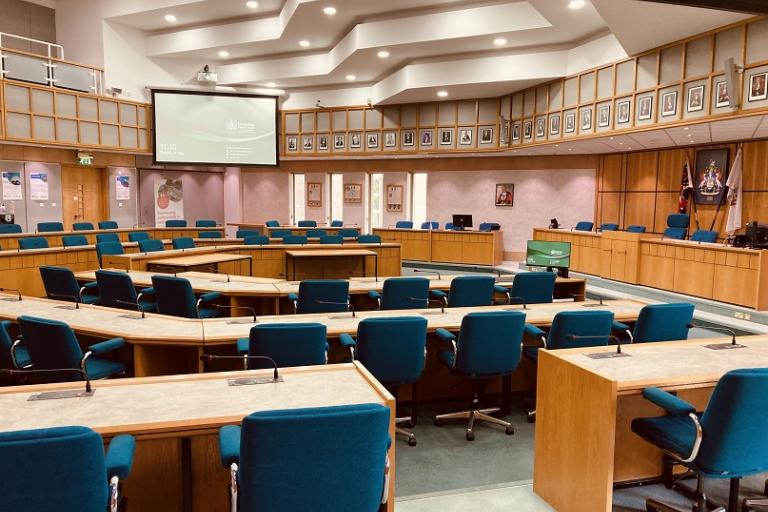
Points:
[[672, 433], [98, 368], [446, 357], [22, 357], [89, 299], [205, 312], [531, 353], [149, 307]]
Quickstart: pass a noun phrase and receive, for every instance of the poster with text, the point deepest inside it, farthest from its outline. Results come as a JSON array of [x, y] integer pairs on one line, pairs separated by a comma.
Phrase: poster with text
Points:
[[12, 186], [122, 188], [169, 200], [38, 186]]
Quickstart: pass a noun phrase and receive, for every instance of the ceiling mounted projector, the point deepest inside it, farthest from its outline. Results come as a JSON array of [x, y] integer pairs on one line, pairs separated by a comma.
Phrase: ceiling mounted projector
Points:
[[206, 75]]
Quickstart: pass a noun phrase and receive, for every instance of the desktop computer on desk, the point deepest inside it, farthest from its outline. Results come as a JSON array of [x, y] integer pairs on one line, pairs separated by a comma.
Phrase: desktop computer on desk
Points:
[[756, 236], [555, 256]]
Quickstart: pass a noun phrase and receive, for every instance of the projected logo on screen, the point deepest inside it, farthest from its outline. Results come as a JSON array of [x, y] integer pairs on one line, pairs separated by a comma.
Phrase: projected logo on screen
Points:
[[239, 127], [170, 150]]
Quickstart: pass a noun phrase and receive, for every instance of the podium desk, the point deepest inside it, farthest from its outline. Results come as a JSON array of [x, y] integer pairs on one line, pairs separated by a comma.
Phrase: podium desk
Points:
[[176, 419], [441, 246], [338, 256], [584, 408], [238, 264]]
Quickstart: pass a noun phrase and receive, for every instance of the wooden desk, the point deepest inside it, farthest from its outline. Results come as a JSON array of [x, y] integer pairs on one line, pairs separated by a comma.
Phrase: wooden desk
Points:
[[176, 419], [586, 247], [296, 230], [250, 226], [585, 406], [222, 263], [440, 246], [333, 255]]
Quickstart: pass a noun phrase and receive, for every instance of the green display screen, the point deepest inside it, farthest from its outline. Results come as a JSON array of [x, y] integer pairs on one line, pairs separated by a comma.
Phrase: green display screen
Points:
[[542, 253]]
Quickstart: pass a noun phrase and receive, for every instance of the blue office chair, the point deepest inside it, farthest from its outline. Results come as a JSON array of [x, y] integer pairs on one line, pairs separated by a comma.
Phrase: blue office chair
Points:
[[332, 239], [530, 288], [369, 239], [659, 322], [394, 350], [174, 296], [402, 293], [118, 291], [404, 224], [307, 224], [107, 237], [449, 226], [60, 284], [294, 239], [138, 236], [677, 226], [151, 245], [316, 233], [488, 346], [704, 236], [349, 233], [33, 242], [82, 226], [256, 240], [636, 228], [337, 223], [210, 234], [486, 227], [179, 223], [242, 233], [314, 293], [49, 227], [279, 233], [108, 249], [183, 242], [584, 225], [430, 225], [6, 229], [323, 459], [13, 354], [63, 468], [301, 344], [467, 291], [609, 227], [107, 224], [52, 345], [272, 224], [74, 240], [728, 440], [205, 223]]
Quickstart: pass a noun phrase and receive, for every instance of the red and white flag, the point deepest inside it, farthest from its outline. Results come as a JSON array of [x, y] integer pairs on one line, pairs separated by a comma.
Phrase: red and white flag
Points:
[[735, 198], [686, 187]]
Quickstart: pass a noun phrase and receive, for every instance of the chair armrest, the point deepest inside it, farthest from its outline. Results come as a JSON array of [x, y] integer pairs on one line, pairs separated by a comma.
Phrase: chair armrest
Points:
[[374, 294], [5, 324], [106, 346], [440, 294], [119, 459], [670, 403], [618, 326], [500, 289], [90, 285], [534, 331], [208, 297], [445, 335], [229, 445], [346, 340], [293, 296], [147, 291], [243, 344]]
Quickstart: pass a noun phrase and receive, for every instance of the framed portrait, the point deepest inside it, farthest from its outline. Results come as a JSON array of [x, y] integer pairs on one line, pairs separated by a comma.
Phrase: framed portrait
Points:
[[554, 125], [570, 122], [322, 143], [390, 139], [604, 116], [516, 131], [669, 104], [586, 119], [315, 195], [307, 144], [711, 176], [372, 140], [722, 99], [645, 108], [695, 99], [465, 137], [291, 143], [426, 138], [355, 140], [623, 109], [394, 198], [528, 129], [486, 135], [541, 127], [353, 193], [408, 138], [338, 141], [505, 194], [446, 136], [505, 133], [758, 86]]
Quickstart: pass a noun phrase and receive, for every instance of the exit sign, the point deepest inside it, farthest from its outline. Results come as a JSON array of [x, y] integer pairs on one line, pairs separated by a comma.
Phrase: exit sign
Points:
[[84, 159]]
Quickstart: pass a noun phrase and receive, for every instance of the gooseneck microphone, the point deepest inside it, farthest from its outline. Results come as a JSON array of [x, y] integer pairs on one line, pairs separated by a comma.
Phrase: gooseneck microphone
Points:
[[136, 304], [429, 301], [725, 330], [520, 300], [590, 305], [52, 395], [215, 270], [252, 311], [75, 298], [348, 304], [246, 381], [11, 290], [433, 272], [601, 355]]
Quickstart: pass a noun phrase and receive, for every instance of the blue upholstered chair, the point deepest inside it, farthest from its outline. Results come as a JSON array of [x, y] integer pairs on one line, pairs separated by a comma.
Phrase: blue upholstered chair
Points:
[[307, 224], [337, 223], [313, 292], [179, 223], [49, 227], [82, 226], [64, 469], [659, 322], [394, 350], [108, 249], [584, 225], [174, 296], [205, 223], [53, 345], [256, 240], [138, 236], [151, 245], [677, 226], [279, 233], [322, 459], [488, 346], [33, 242], [315, 233], [107, 224], [301, 344], [272, 224], [183, 242], [369, 239], [117, 290], [488, 226], [467, 291], [332, 239], [295, 239], [728, 440], [704, 236], [107, 237], [404, 224], [242, 233], [349, 233], [74, 240], [10, 229], [430, 224], [636, 228], [13, 354], [60, 284], [402, 293], [530, 288], [609, 226], [210, 234], [449, 226]]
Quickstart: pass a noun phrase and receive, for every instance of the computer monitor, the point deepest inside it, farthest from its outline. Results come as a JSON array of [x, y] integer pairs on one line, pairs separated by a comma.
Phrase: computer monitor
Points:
[[462, 221], [757, 235], [543, 253]]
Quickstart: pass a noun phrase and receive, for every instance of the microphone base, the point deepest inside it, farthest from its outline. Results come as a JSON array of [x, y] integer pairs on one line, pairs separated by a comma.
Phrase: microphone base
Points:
[[11, 299], [132, 317], [724, 346], [606, 355], [57, 395], [68, 308], [592, 305], [241, 321], [432, 312], [250, 381]]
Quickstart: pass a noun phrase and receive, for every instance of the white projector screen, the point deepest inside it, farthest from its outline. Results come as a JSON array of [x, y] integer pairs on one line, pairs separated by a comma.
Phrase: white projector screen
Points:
[[214, 129]]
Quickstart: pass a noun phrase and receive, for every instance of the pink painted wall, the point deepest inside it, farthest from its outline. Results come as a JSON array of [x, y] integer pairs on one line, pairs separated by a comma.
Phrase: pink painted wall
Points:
[[203, 194], [396, 178], [355, 213], [318, 214], [265, 196]]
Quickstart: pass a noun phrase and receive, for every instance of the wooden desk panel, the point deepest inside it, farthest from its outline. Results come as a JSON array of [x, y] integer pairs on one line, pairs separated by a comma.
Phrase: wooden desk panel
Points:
[[414, 243], [461, 247], [586, 247], [11, 241], [236, 264], [621, 255]]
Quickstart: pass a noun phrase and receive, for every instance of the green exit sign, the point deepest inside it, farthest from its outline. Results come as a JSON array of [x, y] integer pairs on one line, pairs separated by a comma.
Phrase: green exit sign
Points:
[[85, 159]]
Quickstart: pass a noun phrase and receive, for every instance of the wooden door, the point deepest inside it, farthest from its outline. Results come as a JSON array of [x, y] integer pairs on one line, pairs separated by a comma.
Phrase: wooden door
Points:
[[84, 195]]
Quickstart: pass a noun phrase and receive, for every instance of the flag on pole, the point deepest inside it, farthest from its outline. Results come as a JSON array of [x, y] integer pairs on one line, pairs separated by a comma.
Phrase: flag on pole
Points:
[[735, 199], [686, 187]]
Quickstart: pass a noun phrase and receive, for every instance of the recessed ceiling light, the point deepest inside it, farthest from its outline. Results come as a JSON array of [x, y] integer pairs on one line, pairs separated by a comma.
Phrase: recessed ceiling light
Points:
[[442, 94], [304, 43], [223, 54], [251, 4], [620, 143], [383, 54], [499, 41], [350, 78], [689, 135], [576, 4], [330, 11], [270, 84], [170, 18]]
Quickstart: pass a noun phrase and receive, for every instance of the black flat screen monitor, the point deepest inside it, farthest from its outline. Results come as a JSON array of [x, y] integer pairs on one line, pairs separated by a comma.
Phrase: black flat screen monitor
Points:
[[462, 221]]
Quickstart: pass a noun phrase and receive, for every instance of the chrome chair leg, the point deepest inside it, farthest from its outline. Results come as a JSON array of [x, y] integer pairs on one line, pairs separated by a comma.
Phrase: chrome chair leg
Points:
[[472, 416], [407, 433]]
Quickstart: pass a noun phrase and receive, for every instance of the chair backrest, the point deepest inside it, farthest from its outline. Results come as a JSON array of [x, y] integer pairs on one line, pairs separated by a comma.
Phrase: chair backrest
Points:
[[60, 468], [210, 234], [317, 464], [636, 228], [151, 245], [183, 242], [6, 363], [467, 291], [108, 224], [295, 239], [107, 237], [315, 233], [256, 240], [349, 233], [584, 225], [609, 226], [82, 226], [60, 283], [398, 292], [663, 322], [404, 224], [51, 345], [137, 236], [10, 228], [301, 344], [703, 235], [108, 248], [490, 343], [74, 240], [430, 225], [307, 224], [331, 239], [735, 438], [272, 223], [337, 223], [369, 239], [33, 242], [489, 226], [677, 226], [47, 227], [595, 324], [178, 223], [205, 223], [116, 286], [534, 287], [242, 233], [392, 349], [279, 233], [325, 290], [174, 296]]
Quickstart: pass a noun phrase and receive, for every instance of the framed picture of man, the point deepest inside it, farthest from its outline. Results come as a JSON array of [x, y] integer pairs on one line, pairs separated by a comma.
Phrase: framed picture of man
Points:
[[516, 132], [307, 145], [623, 111], [527, 129], [554, 125], [355, 141], [426, 138], [645, 108], [408, 138], [373, 140], [338, 141], [586, 120], [570, 122], [604, 116], [541, 127], [758, 86], [669, 104], [446, 136], [291, 143], [486, 135], [322, 143], [722, 98], [505, 194], [695, 99], [465, 137], [711, 175], [390, 139]]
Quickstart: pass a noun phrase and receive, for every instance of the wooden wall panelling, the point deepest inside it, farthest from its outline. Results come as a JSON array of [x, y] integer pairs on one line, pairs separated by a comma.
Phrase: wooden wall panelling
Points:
[[642, 171]]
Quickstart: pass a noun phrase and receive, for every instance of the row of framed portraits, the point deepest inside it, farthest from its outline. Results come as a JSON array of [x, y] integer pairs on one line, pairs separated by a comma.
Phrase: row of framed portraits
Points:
[[353, 193]]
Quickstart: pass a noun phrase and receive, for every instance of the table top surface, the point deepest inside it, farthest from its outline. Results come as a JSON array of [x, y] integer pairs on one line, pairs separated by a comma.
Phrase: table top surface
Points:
[[330, 253], [199, 259]]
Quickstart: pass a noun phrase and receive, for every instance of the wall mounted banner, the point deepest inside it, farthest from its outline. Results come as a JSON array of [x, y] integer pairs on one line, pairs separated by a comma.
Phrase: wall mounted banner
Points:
[[38, 186], [12, 186], [169, 200], [122, 188], [710, 178]]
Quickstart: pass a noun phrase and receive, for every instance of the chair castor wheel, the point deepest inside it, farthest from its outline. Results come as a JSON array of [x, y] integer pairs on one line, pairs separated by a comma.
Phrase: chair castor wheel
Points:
[[531, 417], [509, 430], [438, 423], [412, 441], [470, 436]]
